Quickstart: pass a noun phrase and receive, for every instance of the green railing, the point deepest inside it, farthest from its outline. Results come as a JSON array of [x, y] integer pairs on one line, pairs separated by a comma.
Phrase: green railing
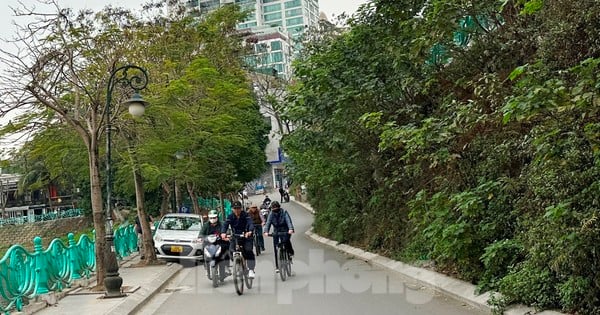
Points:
[[43, 217], [214, 203], [25, 275]]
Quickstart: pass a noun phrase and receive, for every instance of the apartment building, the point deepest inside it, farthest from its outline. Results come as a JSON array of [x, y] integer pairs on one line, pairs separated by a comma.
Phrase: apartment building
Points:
[[275, 28]]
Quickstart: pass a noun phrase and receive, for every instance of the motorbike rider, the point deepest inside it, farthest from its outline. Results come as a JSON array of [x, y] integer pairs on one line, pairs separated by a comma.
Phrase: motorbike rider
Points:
[[213, 226], [282, 222], [267, 201], [241, 223], [259, 221]]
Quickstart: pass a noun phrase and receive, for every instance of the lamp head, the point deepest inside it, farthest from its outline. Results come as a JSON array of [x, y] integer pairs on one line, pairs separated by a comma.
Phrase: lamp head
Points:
[[136, 104]]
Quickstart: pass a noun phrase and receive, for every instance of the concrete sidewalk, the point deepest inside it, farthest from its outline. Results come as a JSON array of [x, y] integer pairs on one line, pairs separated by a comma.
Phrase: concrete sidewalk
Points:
[[140, 284], [454, 288]]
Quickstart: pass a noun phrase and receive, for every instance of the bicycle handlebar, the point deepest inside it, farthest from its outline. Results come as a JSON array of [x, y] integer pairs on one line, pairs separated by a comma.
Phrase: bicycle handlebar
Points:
[[278, 234]]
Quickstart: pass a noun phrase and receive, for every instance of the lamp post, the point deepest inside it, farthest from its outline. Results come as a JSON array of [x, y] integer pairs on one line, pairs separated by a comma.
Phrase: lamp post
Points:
[[138, 80], [177, 156]]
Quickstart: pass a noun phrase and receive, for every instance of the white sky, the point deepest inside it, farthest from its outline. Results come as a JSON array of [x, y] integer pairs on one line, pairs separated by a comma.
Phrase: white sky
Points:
[[331, 8]]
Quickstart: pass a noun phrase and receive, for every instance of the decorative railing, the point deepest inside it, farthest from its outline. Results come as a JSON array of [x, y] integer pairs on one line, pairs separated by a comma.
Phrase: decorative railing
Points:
[[71, 213], [25, 275]]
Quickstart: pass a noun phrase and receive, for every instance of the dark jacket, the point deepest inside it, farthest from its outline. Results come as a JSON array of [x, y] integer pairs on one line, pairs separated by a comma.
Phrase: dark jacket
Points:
[[280, 220], [256, 217], [238, 225], [208, 228]]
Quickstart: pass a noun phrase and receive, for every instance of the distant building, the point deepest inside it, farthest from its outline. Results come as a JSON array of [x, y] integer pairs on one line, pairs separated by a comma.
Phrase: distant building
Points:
[[275, 29], [26, 206]]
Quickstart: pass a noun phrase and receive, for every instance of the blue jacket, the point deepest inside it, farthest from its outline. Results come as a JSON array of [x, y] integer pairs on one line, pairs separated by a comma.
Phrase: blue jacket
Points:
[[238, 225], [281, 221]]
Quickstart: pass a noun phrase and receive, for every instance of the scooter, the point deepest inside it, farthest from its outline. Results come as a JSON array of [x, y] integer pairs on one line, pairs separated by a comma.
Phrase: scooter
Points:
[[216, 259]]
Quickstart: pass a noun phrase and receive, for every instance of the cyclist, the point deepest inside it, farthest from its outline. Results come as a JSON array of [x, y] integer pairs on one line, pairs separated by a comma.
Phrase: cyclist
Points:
[[259, 221], [241, 223], [282, 222]]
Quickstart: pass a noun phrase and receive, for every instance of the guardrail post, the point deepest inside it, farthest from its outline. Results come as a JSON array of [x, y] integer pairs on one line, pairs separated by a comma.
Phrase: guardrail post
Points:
[[74, 257], [41, 267]]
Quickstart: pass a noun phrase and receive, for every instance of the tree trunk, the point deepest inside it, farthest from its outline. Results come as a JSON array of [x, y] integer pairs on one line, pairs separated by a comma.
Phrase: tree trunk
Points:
[[147, 244], [98, 213], [166, 197], [193, 197]]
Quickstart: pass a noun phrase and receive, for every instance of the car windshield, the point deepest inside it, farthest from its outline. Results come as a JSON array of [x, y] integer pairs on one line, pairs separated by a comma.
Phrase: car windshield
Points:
[[181, 224]]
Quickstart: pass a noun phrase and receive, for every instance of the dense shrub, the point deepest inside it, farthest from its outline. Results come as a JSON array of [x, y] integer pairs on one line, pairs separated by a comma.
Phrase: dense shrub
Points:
[[482, 156]]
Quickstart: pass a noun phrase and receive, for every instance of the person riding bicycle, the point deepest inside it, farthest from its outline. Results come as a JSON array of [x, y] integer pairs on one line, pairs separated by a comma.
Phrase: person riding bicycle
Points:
[[282, 222], [259, 221], [241, 223]]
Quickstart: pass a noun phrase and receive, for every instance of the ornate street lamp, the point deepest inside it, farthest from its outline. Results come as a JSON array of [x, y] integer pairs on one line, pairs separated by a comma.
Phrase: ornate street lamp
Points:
[[178, 156], [137, 80]]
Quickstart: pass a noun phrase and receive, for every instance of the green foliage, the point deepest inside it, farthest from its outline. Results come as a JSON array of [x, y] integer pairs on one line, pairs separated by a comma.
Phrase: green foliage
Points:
[[488, 163]]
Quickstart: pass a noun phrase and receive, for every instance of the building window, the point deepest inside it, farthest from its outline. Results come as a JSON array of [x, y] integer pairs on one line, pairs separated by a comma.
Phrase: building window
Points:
[[246, 25], [275, 23], [272, 8], [260, 48], [272, 16], [277, 56], [279, 67], [209, 5], [275, 45], [293, 4], [293, 12], [269, 1], [294, 21]]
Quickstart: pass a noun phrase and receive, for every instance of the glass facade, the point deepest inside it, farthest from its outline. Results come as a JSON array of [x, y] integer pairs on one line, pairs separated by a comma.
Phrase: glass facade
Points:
[[272, 8], [293, 4], [272, 16], [277, 56], [275, 45], [293, 12], [294, 21]]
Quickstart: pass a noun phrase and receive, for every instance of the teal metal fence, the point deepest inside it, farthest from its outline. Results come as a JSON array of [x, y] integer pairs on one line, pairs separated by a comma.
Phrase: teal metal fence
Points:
[[25, 275], [214, 203], [42, 217]]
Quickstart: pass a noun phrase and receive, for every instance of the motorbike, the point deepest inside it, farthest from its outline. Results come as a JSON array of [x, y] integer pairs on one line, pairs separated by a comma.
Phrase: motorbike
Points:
[[264, 211], [216, 259]]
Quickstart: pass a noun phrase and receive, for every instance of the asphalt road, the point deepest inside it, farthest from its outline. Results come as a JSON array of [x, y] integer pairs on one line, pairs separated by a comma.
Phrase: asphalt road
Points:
[[326, 282]]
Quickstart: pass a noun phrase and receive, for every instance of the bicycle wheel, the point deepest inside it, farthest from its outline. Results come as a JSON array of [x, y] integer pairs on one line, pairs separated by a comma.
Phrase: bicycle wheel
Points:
[[256, 245], [215, 276], [238, 275], [282, 264], [288, 263], [247, 279]]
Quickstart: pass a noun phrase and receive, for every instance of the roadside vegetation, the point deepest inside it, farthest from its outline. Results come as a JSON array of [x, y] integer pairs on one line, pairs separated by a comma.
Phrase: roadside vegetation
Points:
[[461, 133]]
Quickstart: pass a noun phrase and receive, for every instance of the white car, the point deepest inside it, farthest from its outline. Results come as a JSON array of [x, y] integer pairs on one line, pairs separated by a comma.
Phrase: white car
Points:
[[177, 237]]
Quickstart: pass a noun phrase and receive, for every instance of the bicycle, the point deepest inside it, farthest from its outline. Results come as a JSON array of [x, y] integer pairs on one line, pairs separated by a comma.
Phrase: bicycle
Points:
[[283, 261], [240, 270]]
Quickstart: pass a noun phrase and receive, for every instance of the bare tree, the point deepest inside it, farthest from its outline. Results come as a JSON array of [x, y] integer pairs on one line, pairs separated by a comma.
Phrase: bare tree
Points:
[[58, 75]]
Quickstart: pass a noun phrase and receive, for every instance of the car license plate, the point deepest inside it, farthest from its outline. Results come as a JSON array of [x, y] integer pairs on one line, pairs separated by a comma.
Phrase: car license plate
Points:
[[176, 249]]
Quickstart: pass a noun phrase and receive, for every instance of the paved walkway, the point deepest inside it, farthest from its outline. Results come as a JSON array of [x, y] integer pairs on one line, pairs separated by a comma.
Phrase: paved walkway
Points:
[[139, 283]]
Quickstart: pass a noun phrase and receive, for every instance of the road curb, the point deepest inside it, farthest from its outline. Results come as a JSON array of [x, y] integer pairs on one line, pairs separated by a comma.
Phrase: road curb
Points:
[[457, 289], [135, 301]]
